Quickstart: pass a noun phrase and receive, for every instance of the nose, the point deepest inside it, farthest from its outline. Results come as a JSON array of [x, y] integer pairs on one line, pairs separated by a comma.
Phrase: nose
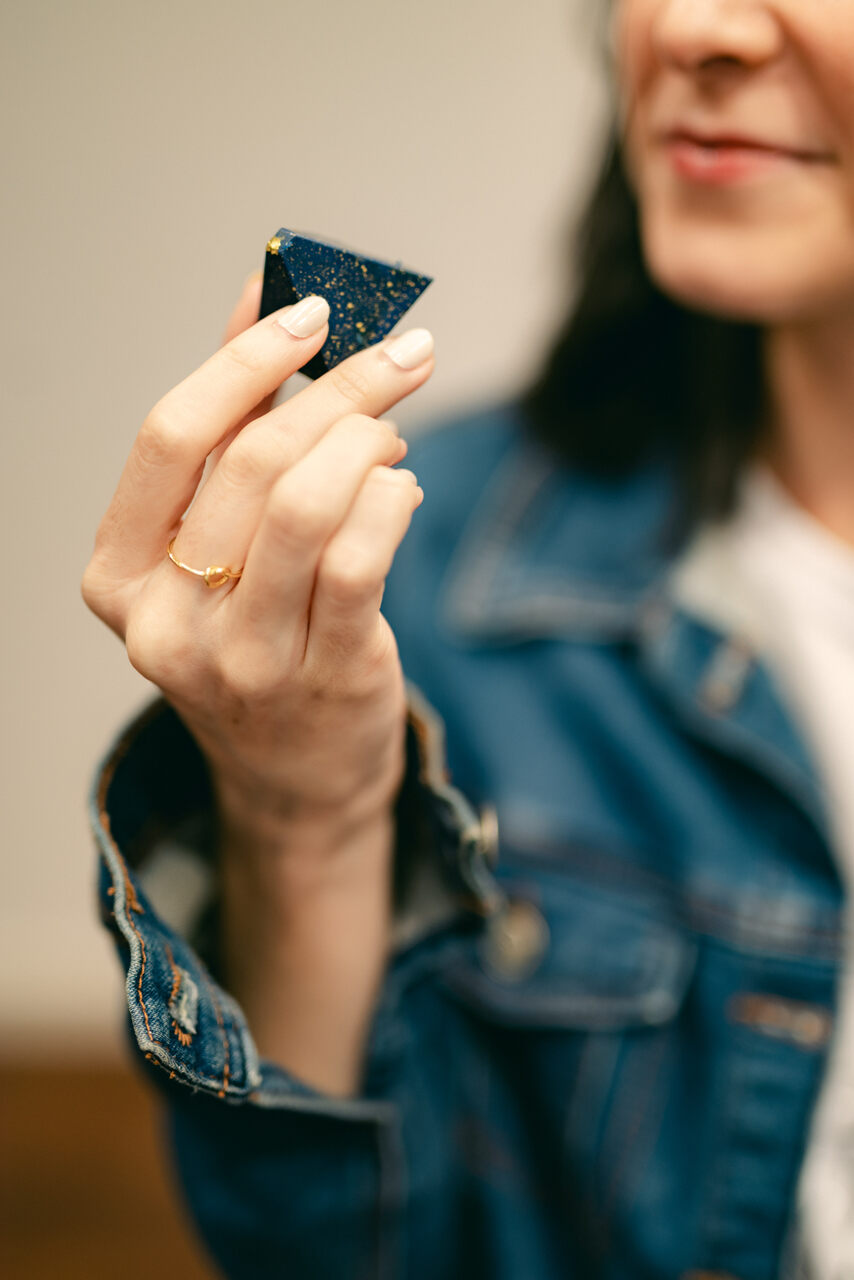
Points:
[[695, 35]]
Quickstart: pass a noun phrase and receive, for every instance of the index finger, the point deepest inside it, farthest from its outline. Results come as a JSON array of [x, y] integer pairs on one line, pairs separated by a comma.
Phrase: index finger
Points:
[[168, 455]]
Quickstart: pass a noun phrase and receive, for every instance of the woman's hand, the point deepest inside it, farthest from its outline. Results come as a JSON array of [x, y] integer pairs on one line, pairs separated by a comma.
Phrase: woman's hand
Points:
[[288, 677]]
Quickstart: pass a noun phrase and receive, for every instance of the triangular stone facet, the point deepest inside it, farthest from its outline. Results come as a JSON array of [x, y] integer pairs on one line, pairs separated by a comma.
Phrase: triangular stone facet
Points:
[[366, 296]]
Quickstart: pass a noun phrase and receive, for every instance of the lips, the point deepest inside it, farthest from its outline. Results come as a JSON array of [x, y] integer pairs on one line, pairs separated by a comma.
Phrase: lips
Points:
[[732, 141], [727, 157]]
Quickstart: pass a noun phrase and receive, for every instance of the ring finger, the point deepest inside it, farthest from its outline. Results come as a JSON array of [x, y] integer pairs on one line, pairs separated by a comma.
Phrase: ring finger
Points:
[[225, 513], [304, 509]]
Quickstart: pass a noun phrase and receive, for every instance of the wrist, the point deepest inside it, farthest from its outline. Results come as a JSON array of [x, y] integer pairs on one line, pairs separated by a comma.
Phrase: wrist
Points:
[[306, 851], [273, 820]]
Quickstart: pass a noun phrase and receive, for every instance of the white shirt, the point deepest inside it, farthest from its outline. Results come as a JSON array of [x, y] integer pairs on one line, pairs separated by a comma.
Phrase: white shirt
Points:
[[774, 573]]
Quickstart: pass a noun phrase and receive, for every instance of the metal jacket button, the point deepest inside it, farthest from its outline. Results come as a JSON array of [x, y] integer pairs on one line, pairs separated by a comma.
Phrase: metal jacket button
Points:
[[516, 940]]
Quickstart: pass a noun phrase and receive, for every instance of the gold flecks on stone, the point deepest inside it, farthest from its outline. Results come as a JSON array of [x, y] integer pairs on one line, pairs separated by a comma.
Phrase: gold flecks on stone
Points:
[[364, 305]]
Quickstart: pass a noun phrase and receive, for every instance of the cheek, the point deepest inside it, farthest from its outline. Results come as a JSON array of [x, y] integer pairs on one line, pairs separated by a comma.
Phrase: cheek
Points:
[[634, 66], [833, 83]]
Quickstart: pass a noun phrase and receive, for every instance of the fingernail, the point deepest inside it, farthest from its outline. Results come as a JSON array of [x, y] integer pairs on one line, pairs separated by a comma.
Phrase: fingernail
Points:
[[304, 319], [410, 349], [253, 278]]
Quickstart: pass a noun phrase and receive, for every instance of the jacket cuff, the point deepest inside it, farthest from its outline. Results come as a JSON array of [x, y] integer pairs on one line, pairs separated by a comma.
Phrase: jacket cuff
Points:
[[152, 815]]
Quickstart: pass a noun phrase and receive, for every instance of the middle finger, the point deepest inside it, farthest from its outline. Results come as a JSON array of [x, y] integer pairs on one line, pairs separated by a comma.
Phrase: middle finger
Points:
[[221, 523]]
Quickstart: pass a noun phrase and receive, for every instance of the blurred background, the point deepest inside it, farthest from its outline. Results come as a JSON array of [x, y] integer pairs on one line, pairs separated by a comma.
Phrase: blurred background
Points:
[[150, 152]]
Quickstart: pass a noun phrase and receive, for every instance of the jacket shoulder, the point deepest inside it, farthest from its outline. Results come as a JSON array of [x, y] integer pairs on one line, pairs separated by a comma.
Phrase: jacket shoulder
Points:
[[453, 455], [454, 452]]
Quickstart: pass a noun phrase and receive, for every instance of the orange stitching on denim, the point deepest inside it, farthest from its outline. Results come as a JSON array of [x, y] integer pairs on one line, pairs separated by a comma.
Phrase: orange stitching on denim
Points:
[[184, 1037], [132, 923], [176, 973], [133, 902], [159, 1043], [131, 898], [807, 1025]]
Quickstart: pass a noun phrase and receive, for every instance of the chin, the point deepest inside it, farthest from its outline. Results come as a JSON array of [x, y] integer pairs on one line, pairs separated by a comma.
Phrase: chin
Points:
[[712, 274], [748, 277]]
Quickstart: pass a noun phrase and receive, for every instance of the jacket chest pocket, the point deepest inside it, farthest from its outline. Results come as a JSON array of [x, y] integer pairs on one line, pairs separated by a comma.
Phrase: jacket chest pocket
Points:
[[572, 995]]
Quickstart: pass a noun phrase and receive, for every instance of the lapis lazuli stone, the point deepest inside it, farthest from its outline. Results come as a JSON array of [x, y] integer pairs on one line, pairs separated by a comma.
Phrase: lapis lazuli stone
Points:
[[366, 296]]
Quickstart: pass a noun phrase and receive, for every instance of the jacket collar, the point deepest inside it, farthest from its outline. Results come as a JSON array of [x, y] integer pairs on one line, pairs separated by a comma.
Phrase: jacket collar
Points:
[[547, 552]]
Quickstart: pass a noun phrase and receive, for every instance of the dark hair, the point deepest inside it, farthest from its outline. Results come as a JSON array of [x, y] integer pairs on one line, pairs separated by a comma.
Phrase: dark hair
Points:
[[633, 374]]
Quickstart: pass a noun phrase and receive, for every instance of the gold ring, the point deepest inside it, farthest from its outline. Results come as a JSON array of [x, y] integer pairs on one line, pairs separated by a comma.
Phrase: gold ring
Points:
[[215, 574]]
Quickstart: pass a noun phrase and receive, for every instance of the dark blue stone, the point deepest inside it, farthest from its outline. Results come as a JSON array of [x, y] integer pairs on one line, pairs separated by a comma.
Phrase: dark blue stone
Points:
[[366, 296]]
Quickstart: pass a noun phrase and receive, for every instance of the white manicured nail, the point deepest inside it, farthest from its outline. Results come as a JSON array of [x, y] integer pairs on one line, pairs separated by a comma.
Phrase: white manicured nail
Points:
[[410, 349], [306, 317]]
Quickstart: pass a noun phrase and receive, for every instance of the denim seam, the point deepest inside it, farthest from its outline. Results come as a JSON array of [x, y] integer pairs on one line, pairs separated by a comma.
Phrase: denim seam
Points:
[[686, 908], [656, 654], [126, 901], [183, 1036], [483, 896], [173, 1066]]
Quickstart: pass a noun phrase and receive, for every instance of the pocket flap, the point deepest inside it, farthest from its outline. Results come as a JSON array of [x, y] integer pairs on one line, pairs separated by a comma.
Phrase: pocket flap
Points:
[[564, 953]]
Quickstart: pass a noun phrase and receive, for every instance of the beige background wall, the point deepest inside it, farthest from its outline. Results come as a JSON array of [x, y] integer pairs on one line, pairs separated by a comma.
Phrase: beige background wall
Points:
[[151, 150]]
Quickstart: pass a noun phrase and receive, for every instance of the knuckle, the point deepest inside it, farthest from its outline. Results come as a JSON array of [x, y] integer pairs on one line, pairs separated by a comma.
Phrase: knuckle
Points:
[[161, 439], [92, 588], [144, 645], [158, 650], [250, 674], [248, 463], [362, 426], [351, 382], [102, 595], [350, 573], [301, 515], [244, 680], [243, 358], [395, 479]]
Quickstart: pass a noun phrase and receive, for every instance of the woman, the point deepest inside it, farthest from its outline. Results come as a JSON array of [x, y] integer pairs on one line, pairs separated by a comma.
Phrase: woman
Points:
[[602, 1048]]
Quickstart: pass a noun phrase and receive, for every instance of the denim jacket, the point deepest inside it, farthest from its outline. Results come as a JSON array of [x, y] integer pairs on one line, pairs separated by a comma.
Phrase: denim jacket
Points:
[[618, 922]]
